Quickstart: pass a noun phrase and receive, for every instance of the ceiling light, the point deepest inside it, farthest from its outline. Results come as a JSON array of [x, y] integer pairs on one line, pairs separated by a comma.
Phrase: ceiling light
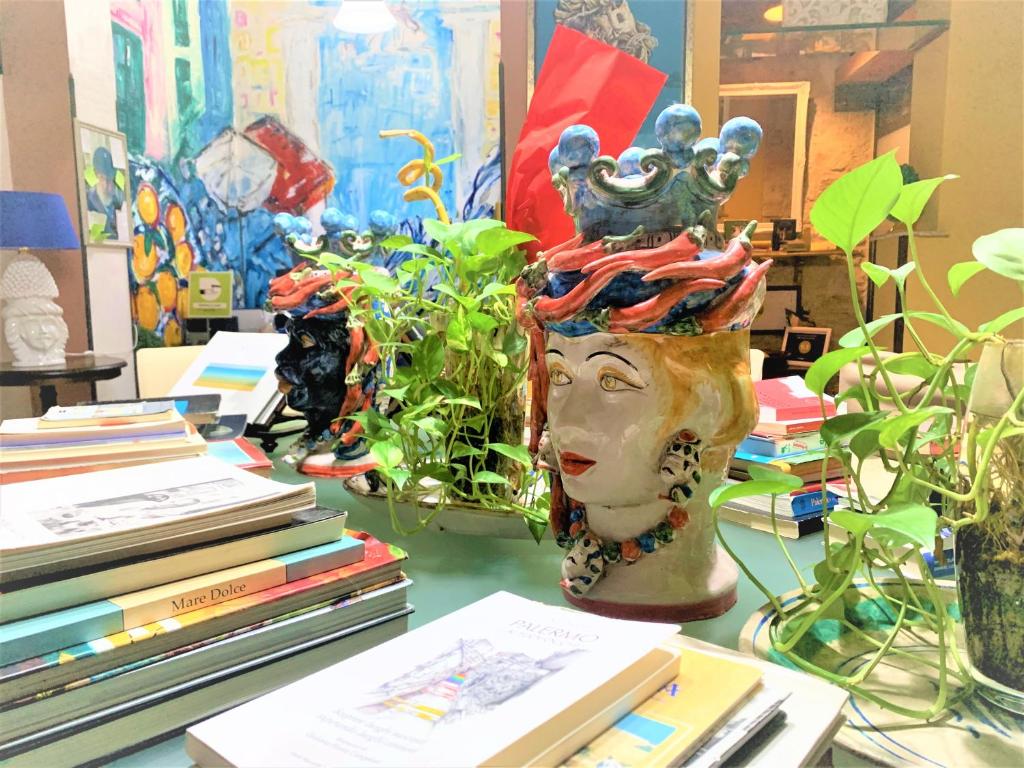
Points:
[[364, 17], [773, 15]]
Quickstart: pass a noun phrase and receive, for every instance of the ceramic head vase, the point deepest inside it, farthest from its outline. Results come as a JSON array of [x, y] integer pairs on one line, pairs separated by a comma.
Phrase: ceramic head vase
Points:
[[641, 373], [328, 371], [33, 323]]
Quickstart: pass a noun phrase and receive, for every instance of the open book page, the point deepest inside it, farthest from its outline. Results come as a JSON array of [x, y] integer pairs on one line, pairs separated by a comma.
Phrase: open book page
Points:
[[454, 692], [94, 504], [239, 367]]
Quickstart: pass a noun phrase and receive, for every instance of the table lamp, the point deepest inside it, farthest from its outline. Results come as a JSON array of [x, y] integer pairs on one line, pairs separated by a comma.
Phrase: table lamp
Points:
[[33, 323]]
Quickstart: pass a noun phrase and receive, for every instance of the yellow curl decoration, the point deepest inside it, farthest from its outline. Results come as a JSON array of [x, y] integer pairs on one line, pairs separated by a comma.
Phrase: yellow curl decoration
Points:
[[424, 169]]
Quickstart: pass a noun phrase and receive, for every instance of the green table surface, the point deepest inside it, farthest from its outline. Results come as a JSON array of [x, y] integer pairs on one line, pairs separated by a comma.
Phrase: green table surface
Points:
[[452, 570]]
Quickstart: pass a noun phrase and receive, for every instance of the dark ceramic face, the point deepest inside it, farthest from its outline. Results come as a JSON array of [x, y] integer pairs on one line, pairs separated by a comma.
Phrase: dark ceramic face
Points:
[[312, 367]]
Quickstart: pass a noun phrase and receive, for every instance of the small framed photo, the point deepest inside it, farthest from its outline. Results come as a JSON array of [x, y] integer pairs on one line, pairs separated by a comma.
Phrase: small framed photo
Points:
[[783, 230], [802, 346], [103, 178], [779, 302]]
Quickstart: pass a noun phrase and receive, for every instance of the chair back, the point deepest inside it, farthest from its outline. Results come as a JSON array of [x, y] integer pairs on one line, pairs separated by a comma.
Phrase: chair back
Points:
[[756, 364]]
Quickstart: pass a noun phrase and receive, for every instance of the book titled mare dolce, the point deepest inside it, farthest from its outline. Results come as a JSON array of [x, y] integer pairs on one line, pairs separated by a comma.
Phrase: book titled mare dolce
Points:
[[504, 681], [381, 565], [51, 631]]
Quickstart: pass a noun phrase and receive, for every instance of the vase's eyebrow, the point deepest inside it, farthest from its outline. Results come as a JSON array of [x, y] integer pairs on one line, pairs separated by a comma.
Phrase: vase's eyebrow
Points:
[[554, 351], [612, 354]]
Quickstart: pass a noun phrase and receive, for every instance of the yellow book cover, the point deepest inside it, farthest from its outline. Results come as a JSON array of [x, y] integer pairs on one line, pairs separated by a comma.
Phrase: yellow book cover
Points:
[[155, 603], [672, 724]]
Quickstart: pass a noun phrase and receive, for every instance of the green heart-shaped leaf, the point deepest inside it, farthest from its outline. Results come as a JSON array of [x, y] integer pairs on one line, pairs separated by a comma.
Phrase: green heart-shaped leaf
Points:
[[960, 273], [486, 476], [825, 367], [906, 524], [857, 202], [1002, 252], [898, 426], [913, 198], [772, 475], [514, 452]]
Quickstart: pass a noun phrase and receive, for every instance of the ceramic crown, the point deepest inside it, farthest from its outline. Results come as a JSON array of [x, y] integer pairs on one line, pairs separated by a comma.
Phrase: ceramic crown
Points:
[[666, 189]]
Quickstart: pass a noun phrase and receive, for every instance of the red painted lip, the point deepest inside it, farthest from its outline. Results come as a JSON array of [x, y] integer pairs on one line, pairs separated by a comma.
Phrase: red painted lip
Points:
[[573, 463]]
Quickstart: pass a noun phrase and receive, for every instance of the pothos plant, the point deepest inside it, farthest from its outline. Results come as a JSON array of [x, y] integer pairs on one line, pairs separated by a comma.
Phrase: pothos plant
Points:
[[456, 365], [449, 423], [942, 462]]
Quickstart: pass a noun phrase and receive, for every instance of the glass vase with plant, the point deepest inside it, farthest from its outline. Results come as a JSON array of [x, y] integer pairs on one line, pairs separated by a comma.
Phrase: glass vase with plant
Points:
[[951, 455]]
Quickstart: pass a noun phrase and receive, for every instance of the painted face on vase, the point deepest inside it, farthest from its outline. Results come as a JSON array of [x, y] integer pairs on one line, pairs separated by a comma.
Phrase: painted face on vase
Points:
[[631, 416]]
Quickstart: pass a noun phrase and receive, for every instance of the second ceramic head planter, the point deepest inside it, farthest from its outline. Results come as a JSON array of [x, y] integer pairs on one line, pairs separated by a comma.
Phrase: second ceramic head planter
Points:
[[641, 380], [328, 370]]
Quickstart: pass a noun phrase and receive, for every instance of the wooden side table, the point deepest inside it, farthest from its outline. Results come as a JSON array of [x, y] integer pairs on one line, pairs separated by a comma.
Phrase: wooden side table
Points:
[[87, 367]]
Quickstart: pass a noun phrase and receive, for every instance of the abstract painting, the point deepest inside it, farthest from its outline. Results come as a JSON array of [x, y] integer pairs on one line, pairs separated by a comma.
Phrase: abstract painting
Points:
[[653, 31], [105, 194], [236, 110]]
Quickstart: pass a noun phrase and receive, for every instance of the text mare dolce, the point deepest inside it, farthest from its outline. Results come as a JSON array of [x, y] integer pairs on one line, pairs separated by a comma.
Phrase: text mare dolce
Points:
[[208, 597], [553, 634]]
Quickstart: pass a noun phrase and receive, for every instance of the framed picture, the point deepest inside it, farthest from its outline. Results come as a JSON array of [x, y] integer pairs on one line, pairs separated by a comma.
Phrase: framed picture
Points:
[[103, 178], [779, 301], [783, 230], [654, 31], [209, 294], [802, 346]]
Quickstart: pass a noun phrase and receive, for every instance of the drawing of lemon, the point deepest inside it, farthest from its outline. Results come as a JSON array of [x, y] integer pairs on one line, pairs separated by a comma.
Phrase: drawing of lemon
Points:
[[143, 259], [167, 290], [183, 258], [172, 333], [147, 204], [146, 308], [174, 218]]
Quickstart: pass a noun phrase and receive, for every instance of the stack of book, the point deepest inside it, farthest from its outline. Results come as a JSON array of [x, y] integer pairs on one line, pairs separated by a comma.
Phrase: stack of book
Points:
[[507, 681], [144, 600], [786, 438], [85, 438]]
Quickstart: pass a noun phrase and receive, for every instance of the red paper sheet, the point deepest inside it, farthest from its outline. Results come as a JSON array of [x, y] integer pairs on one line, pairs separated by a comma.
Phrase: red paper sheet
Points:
[[582, 81]]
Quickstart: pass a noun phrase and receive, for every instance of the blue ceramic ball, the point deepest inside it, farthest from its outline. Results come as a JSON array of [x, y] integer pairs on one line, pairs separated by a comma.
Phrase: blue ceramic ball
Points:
[[578, 146], [677, 127], [629, 161], [741, 136], [382, 223]]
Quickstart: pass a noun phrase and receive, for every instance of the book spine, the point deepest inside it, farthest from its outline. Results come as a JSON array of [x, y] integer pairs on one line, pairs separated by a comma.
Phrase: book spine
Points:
[[775, 429], [165, 602], [48, 632], [781, 447]]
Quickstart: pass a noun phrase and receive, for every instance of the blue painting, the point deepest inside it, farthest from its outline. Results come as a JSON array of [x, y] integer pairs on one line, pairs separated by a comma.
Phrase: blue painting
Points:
[[237, 110]]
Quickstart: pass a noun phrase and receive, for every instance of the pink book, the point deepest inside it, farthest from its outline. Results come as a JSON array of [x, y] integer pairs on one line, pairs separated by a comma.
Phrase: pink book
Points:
[[789, 399]]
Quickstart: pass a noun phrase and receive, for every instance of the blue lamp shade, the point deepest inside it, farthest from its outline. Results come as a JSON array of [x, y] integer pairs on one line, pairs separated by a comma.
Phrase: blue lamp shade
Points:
[[36, 220]]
